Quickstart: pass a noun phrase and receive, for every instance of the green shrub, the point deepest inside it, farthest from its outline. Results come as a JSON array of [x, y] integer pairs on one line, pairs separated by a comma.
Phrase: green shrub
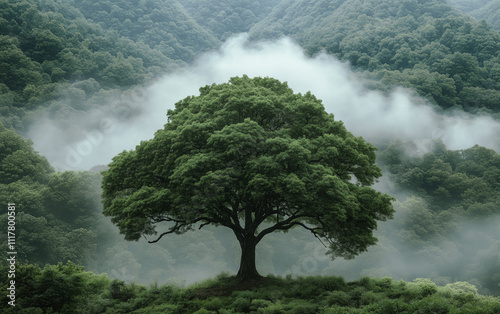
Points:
[[397, 289], [462, 292], [163, 308], [482, 305], [384, 284], [273, 309], [330, 283], [302, 307], [335, 309], [338, 298], [205, 311], [250, 295], [213, 304], [95, 304], [356, 295], [433, 304], [260, 303], [162, 295], [387, 306], [368, 297], [419, 289], [311, 287], [368, 283], [241, 304]]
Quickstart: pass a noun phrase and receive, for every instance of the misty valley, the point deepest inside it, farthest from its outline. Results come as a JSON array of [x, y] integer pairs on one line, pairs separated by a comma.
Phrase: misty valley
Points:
[[279, 156]]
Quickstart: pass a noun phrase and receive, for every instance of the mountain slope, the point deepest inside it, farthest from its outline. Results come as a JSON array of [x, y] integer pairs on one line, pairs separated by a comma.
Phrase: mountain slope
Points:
[[228, 17], [468, 6], [51, 52], [426, 45], [488, 10], [161, 24]]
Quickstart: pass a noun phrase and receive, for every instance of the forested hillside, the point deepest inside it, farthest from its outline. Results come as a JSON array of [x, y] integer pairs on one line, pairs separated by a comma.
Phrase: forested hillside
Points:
[[163, 25], [53, 54], [226, 18], [73, 62], [447, 57], [451, 219], [69, 55], [488, 10]]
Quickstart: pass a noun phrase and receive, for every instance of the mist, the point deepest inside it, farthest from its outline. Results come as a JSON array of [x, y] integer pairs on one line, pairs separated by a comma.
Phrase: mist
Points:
[[96, 136]]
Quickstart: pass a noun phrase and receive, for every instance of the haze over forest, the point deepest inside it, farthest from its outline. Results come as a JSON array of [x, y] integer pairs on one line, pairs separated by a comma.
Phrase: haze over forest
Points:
[[81, 81]]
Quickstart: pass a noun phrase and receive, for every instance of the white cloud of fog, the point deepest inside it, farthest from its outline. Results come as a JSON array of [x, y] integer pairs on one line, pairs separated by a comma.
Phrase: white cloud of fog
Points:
[[365, 113]]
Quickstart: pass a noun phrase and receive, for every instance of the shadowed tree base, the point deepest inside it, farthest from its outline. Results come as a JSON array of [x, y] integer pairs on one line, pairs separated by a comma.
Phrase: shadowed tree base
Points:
[[248, 270]]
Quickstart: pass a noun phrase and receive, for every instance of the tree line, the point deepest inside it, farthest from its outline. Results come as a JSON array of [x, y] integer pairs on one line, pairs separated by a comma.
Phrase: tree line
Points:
[[445, 56], [47, 47]]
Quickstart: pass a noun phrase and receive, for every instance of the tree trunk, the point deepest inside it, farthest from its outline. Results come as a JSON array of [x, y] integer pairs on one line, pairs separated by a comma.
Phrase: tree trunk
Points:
[[248, 270]]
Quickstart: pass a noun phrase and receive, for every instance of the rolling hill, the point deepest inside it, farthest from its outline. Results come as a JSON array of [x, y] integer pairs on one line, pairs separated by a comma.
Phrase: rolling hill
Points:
[[428, 46]]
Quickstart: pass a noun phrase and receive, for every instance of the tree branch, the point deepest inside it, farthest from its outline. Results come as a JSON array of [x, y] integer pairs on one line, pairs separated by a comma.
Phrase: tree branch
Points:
[[204, 224], [313, 230], [179, 224], [283, 225], [174, 229]]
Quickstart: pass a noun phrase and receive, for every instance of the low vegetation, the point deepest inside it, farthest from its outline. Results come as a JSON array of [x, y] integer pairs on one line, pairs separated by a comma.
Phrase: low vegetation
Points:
[[70, 289]]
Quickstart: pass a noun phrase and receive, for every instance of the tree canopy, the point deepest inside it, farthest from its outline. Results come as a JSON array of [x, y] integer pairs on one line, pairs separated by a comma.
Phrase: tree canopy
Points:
[[226, 18], [428, 46], [481, 9], [252, 156], [49, 47], [57, 216]]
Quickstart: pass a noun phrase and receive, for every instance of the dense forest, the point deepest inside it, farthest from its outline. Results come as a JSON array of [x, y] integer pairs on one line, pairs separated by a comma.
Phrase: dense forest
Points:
[[59, 59], [67, 60], [445, 56], [481, 9], [226, 18]]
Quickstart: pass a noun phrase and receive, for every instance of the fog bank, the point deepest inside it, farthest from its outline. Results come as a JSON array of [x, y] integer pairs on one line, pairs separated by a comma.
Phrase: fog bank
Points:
[[95, 138]]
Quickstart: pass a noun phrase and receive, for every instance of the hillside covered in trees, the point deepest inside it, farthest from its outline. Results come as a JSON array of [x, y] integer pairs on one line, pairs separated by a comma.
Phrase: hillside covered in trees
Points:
[[73, 59], [488, 10], [56, 57], [79, 51], [445, 56]]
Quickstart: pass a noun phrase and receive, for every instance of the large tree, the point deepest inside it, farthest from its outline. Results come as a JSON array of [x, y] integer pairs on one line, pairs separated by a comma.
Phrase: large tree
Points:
[[252, 156]]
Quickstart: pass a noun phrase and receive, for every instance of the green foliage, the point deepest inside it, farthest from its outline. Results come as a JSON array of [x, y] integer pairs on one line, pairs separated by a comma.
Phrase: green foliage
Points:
[[451, 216], [19, 161], [77, 56], [54, 218], [449, 178], [252, 150], [481, 9], [162, 25], [427, 46], [419, 289], [339, 298], [68, 194], [44, 45], [225, 18], [60, 288], [89, 292]]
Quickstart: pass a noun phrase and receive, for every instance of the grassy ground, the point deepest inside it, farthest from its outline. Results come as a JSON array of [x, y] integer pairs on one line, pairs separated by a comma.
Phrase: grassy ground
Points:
[[70, 289], [313, 295]]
